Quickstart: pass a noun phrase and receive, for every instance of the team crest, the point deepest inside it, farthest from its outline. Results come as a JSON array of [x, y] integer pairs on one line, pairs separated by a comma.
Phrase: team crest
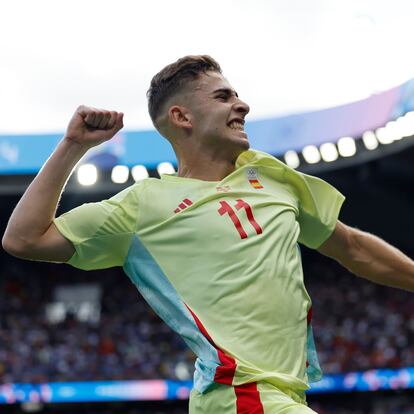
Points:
[[253, 177]]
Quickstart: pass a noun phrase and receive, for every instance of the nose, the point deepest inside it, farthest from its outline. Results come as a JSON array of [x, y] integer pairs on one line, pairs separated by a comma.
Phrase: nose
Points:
[[241, 107]]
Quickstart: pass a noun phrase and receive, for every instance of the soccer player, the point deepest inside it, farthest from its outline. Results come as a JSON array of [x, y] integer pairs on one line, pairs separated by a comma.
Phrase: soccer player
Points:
[[214, 248]]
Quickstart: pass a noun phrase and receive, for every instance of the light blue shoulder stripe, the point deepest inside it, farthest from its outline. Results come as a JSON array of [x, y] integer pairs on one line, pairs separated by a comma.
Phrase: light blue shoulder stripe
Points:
[[314, 370], [157, 290]]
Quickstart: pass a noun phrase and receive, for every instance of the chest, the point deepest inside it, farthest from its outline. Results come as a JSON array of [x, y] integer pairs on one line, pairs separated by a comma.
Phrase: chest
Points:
[[235, 208]]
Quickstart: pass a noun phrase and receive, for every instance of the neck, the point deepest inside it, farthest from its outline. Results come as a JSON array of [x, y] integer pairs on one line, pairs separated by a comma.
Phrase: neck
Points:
[[206, 167]]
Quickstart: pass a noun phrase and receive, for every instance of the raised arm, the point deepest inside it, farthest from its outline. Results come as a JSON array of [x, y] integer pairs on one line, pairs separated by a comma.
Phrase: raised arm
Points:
[[369, 257], [30, 233]]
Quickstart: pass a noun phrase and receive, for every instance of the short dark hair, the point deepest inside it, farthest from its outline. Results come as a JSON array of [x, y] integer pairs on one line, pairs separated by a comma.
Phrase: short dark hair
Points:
[[173, 78]]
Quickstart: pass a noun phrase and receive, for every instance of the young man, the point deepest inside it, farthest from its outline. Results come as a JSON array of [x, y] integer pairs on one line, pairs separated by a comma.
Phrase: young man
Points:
[[213, 249]]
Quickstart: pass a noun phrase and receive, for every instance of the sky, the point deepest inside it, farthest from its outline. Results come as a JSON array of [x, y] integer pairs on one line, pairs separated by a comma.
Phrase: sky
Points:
[[282, 57]]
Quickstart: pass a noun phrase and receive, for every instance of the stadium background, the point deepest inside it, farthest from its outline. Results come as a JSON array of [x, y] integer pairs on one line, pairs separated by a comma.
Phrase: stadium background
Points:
[[67, 335], [85, 342]]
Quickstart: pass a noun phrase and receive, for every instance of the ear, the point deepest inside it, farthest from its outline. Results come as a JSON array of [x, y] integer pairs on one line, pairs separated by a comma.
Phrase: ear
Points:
[[180, 116]]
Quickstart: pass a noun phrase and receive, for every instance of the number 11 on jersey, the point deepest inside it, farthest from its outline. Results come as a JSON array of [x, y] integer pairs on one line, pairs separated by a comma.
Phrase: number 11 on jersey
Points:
[[226, 208]]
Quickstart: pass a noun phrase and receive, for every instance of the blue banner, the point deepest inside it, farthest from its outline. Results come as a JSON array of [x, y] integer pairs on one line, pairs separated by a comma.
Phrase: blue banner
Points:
[[25, 154], [156, 390]]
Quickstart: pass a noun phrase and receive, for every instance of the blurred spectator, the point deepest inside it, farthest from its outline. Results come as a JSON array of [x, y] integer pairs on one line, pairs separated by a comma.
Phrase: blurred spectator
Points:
[[357, 325]]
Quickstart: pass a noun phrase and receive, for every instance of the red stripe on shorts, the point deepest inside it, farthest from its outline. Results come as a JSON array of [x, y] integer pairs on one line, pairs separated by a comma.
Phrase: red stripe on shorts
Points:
[[224, 372], [248, 399]]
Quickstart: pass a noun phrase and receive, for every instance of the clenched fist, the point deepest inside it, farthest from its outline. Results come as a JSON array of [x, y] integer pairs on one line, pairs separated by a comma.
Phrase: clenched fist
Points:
[[91, 126]]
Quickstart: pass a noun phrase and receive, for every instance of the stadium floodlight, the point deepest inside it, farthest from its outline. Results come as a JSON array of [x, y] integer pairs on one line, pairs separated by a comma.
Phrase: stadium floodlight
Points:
[[406, 124], [165, 168], [311, 154], [394, 129], [384, 136], [292, 159], [346, 146], [403, 126], [370, 140], [139, 173], [119, 174], [329, 152], [87, 174]]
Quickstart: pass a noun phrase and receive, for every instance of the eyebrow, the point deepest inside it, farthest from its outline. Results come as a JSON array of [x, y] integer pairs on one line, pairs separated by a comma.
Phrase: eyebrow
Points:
[[227, 91]]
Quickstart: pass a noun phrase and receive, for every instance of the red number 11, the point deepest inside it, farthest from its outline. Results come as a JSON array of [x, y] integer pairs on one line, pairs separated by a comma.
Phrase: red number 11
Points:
[[226, 208]]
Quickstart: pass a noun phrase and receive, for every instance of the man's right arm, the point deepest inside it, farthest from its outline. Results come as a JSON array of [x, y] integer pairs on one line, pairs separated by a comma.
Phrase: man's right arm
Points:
[[30, 233]]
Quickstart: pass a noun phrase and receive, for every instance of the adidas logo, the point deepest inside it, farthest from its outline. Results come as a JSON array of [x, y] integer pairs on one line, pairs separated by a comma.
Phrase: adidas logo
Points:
[[186, 202]]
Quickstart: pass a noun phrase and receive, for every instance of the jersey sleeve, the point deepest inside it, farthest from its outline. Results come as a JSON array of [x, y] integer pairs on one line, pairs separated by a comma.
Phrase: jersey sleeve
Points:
[[319, 204], [101, 232]]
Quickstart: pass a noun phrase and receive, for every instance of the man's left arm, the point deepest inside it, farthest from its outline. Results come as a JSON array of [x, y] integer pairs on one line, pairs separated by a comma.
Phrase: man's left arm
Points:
[[369, 257]]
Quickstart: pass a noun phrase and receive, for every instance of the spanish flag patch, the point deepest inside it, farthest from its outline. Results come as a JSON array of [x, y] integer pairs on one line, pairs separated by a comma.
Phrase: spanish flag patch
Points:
[[255, 183], [253, 178]]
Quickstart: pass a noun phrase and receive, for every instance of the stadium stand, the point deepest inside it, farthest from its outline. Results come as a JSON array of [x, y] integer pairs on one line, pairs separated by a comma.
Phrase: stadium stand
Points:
[[358, 325]]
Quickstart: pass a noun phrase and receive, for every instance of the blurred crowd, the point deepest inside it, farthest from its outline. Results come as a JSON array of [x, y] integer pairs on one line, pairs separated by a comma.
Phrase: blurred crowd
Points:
[[357, 325], [128, 342]]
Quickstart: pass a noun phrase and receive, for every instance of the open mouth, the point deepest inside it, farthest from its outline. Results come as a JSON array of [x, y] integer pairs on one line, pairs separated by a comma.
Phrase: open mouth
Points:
[[237, 125]]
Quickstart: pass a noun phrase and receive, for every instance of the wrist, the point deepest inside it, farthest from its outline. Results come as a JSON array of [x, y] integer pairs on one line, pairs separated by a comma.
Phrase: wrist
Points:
[[71, 151], [73, 145]]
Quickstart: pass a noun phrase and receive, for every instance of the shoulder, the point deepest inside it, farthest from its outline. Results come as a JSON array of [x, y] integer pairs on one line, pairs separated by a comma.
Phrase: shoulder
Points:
[[253, 156], [134, 192], [269, 164]]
